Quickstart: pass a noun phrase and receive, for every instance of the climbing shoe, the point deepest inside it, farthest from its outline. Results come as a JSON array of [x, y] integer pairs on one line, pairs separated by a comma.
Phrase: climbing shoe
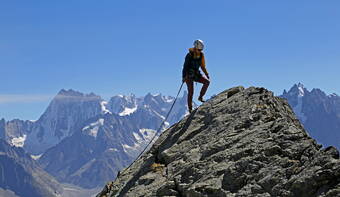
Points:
[[201, 99]]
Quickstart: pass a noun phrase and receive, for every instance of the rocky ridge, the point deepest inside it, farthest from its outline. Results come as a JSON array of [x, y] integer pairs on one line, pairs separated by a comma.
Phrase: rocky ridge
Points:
[[243, 142]]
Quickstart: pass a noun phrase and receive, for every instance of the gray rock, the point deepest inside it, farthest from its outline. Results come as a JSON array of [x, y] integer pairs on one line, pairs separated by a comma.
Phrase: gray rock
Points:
[[243, 142]]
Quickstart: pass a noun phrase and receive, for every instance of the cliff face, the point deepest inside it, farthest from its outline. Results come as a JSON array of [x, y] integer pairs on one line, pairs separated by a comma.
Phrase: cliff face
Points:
[[243, 142]]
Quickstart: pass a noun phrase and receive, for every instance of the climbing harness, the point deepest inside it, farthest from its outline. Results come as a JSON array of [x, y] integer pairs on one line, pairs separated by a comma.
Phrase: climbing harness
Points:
[[156, 131]]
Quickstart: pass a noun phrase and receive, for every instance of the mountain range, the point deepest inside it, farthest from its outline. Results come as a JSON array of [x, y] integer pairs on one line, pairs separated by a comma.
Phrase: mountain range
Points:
[[84, 140]]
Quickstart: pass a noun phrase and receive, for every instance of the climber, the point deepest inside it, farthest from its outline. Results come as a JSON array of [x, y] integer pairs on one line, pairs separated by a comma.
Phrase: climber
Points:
[[193, 61]]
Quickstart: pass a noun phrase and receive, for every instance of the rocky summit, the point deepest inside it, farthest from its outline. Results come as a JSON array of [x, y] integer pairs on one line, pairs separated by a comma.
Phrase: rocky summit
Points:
[[242, 142]]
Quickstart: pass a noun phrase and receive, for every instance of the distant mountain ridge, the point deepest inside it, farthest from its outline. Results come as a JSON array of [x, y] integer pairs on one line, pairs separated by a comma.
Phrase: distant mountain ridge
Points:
[[319, 113], [65, 114], [68, 111], [84, 140], [23, 176], [108, 142]]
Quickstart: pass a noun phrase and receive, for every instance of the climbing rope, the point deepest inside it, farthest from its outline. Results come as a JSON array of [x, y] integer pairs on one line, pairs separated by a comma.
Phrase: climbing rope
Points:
[[160, 127]]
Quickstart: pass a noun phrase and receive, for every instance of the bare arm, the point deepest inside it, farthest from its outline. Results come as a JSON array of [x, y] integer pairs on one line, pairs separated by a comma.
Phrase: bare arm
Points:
[[203, 66]]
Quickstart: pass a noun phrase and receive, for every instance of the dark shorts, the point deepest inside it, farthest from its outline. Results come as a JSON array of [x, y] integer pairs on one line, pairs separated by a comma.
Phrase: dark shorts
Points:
[[194, 75]]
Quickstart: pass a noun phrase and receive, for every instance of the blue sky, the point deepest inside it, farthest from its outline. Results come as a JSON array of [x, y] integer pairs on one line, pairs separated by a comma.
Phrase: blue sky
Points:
[[121, 47]]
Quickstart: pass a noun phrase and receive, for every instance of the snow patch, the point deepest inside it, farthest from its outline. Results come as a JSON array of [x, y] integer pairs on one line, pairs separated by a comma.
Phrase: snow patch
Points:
[[137, 137], [128, 111], [301, 91], [158, 114], [333, 95], [128, 148], [168, 99], [36, 157], [147, 134], [93, 128], [113, 149], [18, 141], [104, 109], [142, 139]]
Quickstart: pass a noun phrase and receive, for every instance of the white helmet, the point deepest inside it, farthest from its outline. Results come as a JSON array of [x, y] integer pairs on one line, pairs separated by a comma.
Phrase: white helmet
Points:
[[198, 44]]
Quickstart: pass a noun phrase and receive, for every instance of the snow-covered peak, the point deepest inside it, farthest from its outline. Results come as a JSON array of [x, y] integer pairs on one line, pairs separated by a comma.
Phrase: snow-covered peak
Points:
[[125, 97], [296, 96], [298, 90], [122, 105], [158, 99]]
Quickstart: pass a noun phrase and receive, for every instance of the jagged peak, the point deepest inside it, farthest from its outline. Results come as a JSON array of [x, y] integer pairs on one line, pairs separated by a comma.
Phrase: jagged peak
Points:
[[71, 94], [298, 90], [300, 85], [148, 96], [318, 92], [122, 96]]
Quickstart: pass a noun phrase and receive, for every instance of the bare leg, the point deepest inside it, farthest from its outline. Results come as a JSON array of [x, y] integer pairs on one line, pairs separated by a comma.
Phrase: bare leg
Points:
[[190, 85], [204, 89]]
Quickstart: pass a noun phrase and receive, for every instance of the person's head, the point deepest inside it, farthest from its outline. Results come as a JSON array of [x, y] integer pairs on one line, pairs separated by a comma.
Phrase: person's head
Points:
[[199, 45]]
